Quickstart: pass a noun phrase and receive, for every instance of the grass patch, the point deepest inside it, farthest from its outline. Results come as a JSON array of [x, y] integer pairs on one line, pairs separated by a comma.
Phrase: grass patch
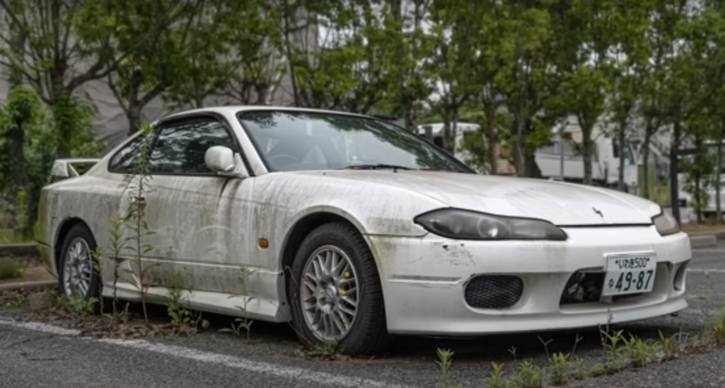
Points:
[[10, 269], [7, 236]]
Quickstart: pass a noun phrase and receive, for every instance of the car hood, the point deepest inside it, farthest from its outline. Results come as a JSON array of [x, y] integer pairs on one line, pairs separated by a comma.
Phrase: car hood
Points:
[[557, 202]]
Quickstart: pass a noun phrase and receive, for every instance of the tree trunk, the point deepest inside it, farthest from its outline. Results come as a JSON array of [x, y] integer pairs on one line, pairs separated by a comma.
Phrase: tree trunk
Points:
[[532, 168], [698, 180], [446, 135], [133, 115], [674, 170], [622, 152], [645, 161], [519, 143], [15, 137], [718, 172], [587, 146], [491, 137]]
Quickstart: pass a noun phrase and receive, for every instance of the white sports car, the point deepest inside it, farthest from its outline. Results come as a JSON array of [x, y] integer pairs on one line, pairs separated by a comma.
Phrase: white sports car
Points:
[[356, 230]]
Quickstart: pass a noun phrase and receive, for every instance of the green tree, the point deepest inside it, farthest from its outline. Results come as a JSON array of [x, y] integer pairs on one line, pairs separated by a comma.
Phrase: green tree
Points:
[[153, 65], [25, 113], [585, 35], [207, 63], [65, 45], [454, 24], [348, 65], [411, 83], [628, 53], [525, 77], [257, 65]]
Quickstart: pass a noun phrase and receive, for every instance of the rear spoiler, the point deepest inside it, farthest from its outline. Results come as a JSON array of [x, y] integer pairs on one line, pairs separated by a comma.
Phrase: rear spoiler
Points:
[[64, 168]]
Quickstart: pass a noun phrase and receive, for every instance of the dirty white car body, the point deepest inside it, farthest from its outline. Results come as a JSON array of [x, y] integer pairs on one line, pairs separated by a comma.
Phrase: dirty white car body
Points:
[[454, 253]]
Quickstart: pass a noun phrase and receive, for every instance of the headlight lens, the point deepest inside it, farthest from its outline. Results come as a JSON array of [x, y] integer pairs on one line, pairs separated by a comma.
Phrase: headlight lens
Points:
[[469, 225], [665, 223]]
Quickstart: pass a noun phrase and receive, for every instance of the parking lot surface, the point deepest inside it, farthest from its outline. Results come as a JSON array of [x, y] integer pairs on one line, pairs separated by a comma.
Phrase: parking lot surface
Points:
[[40, 355]]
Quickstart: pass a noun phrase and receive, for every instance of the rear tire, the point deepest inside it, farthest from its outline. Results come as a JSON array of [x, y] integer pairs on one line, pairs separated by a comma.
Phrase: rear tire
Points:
[[335, 292], [77, 275]]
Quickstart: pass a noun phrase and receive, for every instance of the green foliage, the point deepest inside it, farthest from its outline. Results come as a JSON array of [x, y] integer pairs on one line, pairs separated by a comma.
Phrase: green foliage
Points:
[[497, 379], [445, 358], [73, 127], [698, 180], [243, 322], [180, 316], [135, 221], [78, 305], [328, 349], [477, 150], [561, 369], [24, 112], [10, 269], [199, 48], [530, 375], [715, 328]]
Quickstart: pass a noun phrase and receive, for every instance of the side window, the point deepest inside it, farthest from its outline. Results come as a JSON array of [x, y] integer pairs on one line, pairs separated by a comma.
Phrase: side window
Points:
[[180, 148], [126, 159]]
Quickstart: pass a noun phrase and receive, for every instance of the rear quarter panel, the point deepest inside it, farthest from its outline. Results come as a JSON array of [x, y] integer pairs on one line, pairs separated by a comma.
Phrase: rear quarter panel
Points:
[[93, 199]]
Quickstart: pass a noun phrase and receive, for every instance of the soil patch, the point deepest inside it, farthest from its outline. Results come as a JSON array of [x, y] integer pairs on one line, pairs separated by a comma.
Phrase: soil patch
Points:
[[33, 274]]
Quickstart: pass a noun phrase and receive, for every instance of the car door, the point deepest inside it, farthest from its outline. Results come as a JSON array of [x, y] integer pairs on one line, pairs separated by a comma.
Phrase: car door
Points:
[[197, 217]]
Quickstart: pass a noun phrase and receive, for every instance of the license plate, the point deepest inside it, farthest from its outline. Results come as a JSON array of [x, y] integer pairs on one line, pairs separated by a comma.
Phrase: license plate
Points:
[[629, 274]]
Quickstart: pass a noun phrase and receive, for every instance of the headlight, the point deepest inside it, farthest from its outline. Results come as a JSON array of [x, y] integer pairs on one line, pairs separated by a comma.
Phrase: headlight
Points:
[[665, 223], [469, 225]]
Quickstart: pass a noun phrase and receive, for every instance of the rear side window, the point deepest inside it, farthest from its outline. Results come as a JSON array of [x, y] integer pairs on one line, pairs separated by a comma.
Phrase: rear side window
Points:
[[126, 159], [180, 147]]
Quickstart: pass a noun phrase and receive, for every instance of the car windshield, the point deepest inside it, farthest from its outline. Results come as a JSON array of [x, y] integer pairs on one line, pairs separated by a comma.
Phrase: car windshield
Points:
[[294, 141]]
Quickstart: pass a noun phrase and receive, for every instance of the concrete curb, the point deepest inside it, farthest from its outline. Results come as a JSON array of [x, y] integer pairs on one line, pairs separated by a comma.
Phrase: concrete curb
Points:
[[28, 285], [19, 250], [718, 235], [703, 240]]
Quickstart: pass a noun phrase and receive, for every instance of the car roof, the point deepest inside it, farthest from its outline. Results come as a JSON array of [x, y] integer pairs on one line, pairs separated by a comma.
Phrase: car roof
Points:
[[233, 109]]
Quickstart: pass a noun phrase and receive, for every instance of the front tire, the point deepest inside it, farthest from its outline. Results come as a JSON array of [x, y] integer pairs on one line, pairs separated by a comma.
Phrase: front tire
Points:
[[335, 292], [77, 276]]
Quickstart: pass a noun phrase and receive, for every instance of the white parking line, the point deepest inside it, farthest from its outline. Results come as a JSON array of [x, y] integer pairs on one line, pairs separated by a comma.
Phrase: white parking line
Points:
[[287, 372]]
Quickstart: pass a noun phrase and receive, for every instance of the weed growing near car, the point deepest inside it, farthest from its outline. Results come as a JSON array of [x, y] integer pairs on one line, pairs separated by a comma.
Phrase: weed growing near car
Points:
[[327, 349], [715, 329], [181, 316], [136, 221], [242, 323], [622, 352], [78, 305], [445, 357]]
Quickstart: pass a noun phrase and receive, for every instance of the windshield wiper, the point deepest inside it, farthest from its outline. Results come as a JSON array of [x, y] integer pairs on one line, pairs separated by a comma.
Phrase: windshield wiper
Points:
[[379, 166]]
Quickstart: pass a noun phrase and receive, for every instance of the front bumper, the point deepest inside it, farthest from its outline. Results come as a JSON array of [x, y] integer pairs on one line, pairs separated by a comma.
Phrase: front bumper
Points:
[[424, 280]]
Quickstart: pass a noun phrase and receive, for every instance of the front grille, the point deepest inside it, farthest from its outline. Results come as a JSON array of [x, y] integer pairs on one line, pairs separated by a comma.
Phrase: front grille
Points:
[[494, 291], [586, 287]]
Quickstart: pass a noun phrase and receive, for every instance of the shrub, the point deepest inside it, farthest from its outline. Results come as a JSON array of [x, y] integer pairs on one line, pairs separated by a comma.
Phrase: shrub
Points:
[[10, 269]]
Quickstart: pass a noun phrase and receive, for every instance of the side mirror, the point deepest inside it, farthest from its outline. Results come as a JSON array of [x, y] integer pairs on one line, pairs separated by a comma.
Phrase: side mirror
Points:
[[222, 161], [219, 159]]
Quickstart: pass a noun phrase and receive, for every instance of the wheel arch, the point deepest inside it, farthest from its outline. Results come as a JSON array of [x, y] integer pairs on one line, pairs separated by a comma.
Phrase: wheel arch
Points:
[[64, 228], [304, 225]]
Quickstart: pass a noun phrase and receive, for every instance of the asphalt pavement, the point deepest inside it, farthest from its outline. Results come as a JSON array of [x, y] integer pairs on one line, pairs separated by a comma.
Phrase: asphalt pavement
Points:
[[39, 355]]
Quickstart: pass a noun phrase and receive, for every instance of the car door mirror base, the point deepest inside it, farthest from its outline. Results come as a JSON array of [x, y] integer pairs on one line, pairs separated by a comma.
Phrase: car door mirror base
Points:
[[225, 162]]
